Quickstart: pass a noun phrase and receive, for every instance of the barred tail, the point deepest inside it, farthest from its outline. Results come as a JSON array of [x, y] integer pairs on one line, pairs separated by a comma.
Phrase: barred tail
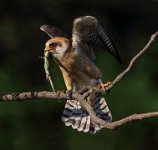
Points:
[[79, 119]]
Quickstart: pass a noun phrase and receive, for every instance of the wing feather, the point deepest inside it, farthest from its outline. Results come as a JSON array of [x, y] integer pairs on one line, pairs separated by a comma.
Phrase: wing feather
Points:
[[53, 31], [87, 33]]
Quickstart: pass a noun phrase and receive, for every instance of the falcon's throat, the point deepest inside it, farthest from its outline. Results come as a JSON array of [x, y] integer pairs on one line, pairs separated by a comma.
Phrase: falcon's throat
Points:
[[57, 46], [60, 51]]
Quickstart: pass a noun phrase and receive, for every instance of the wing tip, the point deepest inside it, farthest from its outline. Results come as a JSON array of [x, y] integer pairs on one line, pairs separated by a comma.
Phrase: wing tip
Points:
[[44, 27], [119, 60], [113, 51], [117, 57]]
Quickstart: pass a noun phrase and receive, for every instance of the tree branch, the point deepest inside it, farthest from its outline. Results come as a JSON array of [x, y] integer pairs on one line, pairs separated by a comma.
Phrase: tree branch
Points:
[[132, 62], [82, 97], [64, 96]]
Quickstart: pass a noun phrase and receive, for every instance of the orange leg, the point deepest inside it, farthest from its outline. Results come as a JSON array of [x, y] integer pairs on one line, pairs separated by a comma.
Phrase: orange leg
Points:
[[104, 85]]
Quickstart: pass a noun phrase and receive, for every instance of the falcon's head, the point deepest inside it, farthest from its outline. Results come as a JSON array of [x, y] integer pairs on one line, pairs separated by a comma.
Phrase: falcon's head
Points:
[[57, 46]]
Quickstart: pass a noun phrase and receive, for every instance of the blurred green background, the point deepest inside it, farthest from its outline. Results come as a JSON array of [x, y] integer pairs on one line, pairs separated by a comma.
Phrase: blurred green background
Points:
[[36, 125]]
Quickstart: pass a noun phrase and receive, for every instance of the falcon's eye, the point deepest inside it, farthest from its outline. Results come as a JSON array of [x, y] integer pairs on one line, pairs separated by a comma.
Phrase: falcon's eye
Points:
[[53, 45]]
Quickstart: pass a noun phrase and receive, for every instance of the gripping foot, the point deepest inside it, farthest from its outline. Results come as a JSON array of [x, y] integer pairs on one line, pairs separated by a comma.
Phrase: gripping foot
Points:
[[104, 85]]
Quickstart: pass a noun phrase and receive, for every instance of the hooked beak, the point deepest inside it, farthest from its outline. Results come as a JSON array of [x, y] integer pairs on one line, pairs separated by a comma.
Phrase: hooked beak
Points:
[[47, 49]]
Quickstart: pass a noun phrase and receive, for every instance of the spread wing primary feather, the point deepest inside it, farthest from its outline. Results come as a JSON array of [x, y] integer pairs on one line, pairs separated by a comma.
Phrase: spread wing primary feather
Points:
[[87, 32]]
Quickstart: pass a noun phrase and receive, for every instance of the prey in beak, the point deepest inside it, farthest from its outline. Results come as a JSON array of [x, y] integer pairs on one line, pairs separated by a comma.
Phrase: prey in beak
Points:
[[47, 51]]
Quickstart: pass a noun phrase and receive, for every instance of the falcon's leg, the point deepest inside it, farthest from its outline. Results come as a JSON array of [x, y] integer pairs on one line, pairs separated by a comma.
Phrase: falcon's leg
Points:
[[104, 85]]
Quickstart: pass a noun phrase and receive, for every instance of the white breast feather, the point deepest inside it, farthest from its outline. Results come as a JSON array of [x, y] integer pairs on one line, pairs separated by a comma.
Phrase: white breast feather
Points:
[[60, 50]]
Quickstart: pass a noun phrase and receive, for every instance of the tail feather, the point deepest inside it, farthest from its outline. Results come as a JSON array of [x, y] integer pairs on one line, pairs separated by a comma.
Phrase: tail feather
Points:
[[78, 114], [103, 110], [81, 124], [79, 119], [68, 116], [87, 126], [95, 128]]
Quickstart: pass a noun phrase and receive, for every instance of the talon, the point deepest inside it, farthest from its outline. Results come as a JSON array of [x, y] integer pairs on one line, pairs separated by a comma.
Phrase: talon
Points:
[[69, 92], [104, 85]]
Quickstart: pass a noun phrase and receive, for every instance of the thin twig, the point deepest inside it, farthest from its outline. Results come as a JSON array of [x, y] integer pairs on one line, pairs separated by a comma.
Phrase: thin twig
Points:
[[132, 62]]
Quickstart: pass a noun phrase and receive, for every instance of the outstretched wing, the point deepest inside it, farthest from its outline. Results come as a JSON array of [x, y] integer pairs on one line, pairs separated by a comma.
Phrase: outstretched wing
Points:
[[87, 32], [53, 31]]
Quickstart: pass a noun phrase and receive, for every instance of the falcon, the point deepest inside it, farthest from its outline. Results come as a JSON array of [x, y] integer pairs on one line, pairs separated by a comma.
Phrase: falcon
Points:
[[75, 57]]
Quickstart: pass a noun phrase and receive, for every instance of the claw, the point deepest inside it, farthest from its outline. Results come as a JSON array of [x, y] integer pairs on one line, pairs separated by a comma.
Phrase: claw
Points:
[[69, 92]]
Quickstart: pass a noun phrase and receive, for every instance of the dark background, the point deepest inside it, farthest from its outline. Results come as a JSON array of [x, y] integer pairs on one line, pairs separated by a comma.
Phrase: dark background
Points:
[[31, 125]]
